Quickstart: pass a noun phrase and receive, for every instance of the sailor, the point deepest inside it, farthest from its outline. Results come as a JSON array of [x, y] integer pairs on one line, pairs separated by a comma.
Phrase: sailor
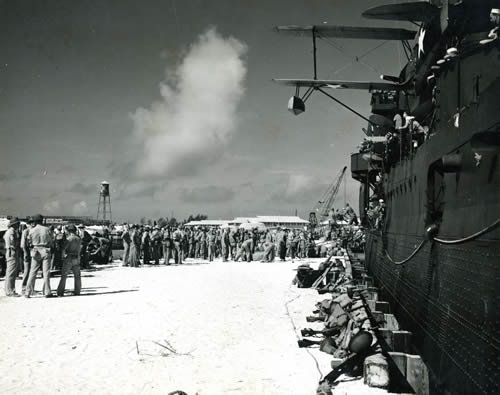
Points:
[[247, 247], [12, 244], [292, 244], [302, 245], [58, 245], [185, 242], [269, 247], [105, 247], [203, 244], [135, 246], [218, 243], [232, 244], [167, 245], [225, 245], [192, 243], [350, 215], [125, 236], [177, 238], [145, 246], [379, 214], [109, 252], [156, 244], [282, 236], [86, 239], [26, 248], [71, 261], [41, 240]]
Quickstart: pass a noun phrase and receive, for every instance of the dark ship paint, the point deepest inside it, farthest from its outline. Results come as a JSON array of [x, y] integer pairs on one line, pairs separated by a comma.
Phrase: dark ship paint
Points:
[[443, 284]]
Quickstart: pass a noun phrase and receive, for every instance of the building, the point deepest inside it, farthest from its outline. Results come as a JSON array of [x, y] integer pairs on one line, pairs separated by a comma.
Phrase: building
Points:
[[269, 221], [208, 223], [275, 221]]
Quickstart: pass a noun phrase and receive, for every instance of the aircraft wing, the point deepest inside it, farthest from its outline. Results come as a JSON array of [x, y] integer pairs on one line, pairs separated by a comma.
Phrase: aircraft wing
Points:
[[374, 33], [418, 11], [336, 84]]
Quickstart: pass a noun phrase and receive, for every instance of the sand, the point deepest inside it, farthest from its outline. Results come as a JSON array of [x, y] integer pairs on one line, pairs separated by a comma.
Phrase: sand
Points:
[[218, 328]]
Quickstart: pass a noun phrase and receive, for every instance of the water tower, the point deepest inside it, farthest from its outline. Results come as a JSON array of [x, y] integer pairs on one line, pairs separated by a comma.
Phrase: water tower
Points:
[[104, 207]]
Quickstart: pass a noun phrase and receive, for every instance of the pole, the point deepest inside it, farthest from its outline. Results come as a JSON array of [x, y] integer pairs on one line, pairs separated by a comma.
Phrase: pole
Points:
[[346, 106], [104, 208], [314, 52]]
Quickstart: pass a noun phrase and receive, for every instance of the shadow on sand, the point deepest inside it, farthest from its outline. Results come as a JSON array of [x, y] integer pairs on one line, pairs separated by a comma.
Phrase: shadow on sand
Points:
[[107, 292]]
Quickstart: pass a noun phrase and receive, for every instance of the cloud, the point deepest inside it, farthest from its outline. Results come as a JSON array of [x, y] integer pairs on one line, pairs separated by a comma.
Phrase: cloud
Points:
[[52, 207], [137, 190], [84, 189], [208, 194], [196, 117], [299, 188], [80, 208]]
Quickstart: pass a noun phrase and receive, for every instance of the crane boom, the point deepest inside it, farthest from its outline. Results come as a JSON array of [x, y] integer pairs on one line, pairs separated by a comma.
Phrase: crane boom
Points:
[[323, 206]]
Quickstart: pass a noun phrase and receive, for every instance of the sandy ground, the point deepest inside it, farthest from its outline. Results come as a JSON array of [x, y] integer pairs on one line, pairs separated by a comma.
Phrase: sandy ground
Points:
[[218, 328]]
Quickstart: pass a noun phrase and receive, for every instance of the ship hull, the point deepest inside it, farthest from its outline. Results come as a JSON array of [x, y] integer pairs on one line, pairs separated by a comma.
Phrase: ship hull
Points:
[[448, 295]]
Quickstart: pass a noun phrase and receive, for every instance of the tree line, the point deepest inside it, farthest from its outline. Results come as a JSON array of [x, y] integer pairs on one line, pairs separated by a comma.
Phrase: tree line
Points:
[[164, 221]]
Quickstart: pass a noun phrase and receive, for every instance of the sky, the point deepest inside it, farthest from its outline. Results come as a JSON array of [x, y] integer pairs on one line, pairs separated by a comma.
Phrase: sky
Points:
[[172, 102]]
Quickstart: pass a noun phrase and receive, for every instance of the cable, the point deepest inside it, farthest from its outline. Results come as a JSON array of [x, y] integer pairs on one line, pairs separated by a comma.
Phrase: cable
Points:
[[471, 237], [407, 259], [297, 336], [353, 58]]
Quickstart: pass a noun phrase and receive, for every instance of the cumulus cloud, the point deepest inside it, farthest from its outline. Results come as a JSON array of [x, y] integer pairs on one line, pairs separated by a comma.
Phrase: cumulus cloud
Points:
[[52, 207], [84, 189], [208, 194], [196, 117], [137, 190], [299, 188], [80, 208]]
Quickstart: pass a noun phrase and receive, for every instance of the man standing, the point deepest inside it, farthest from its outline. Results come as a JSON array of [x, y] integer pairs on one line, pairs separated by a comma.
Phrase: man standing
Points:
[[225, 244], [192, 244], [232, 244], [11, 239], [203, 244], [125, 236], [270, 249], [292, 244], [58, 246], [41, 241], [177, 236], [197, 254], [25, 246], [211, 245], [167, 246], [302, 245], [145, 246], [156, 244], [86, 239], [71, 261], [282, 237]]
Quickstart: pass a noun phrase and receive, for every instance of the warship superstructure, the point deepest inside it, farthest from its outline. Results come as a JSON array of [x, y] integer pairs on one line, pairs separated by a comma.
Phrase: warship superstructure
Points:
[[430, 169]]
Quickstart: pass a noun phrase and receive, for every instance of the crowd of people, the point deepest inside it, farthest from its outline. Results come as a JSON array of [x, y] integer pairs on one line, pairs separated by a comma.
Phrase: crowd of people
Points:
[[32, 246], [36, 246], [174, 244]]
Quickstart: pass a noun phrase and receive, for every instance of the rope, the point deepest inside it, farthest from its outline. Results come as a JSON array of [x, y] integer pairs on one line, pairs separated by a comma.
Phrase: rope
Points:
[[407, 259], [471, 237]]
